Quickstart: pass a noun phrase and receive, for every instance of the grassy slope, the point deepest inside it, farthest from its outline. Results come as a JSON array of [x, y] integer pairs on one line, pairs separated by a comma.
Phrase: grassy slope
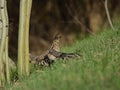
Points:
[[98, 69]]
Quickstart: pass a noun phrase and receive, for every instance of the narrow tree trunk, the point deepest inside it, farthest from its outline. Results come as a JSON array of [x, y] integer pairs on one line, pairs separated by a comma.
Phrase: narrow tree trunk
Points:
[[1, 61], [28, 10], [7, 62], [23, 44], [6, 46], [21, 38], [3, 42]]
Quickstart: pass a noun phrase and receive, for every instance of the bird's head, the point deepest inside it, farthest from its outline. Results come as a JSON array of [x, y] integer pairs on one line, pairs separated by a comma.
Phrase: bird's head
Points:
[[57, 37]]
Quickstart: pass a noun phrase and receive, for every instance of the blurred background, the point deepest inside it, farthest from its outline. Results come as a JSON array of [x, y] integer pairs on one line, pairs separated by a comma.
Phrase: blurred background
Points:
[[74, 19]]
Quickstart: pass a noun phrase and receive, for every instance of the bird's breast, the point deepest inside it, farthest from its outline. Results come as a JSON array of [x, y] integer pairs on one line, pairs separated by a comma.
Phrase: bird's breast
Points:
[[52, 57]]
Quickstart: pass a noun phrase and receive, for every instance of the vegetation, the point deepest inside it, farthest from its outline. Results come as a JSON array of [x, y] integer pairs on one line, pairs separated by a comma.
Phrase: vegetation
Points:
[[98, 68]]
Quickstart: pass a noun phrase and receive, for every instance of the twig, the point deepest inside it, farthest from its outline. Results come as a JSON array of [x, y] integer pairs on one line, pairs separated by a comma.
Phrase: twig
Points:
[[79, 22], [76, 20], [108, 15]]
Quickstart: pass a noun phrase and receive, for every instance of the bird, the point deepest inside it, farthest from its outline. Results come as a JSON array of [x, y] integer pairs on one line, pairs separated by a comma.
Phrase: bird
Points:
[[55, 51], [47, 58], [55, 47], [64, 55], [52, 54]]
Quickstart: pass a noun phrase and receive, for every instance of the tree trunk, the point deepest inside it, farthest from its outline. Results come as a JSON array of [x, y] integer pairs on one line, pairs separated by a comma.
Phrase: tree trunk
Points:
[[23, 44], [6, 45], [3, 42], [28, 10], [21, 38]]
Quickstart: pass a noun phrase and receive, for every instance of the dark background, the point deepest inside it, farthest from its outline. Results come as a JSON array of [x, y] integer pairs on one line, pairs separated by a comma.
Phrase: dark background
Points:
[[74, 19]]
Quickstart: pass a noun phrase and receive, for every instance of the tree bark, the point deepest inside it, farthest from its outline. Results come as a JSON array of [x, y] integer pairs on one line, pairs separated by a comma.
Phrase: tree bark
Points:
[[7, 64], [3, 42], [23, 42], [21, 38], [28, 10]]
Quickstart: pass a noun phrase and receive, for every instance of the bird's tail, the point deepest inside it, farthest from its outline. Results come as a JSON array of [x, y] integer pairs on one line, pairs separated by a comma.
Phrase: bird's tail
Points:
[[65, 56]]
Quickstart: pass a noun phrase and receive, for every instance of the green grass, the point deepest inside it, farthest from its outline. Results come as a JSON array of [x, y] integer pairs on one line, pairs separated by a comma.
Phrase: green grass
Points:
[[98, 68]]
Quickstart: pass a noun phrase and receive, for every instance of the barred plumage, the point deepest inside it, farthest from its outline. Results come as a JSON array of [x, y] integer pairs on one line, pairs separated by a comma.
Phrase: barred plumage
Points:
[[52, 54]]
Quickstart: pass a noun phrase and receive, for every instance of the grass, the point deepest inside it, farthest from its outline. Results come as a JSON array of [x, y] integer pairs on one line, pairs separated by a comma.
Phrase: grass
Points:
[[98, 68]]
